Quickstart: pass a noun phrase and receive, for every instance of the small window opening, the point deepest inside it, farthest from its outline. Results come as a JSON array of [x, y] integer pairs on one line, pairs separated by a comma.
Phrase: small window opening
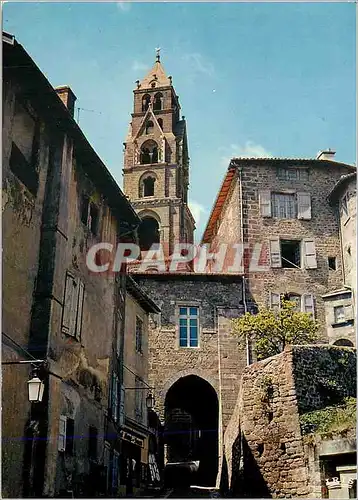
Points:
[[70, 428], [158, 102], [332, 263], [149, 127], [260, 449], [92, 442], [160, 121], [283, 447], [148, 186], [145, 102], [290, 253], [270, 416], [84, 210], [93, 219]]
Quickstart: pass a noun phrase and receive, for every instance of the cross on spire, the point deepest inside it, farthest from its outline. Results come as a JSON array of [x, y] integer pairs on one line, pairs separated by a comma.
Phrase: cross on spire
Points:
[[158, 54]]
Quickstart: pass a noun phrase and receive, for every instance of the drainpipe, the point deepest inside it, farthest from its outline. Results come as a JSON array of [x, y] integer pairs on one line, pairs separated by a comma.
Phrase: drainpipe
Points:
[[248, 353]]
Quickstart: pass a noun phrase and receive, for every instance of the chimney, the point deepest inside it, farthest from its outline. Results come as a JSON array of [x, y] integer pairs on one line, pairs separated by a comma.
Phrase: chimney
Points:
[[326, 154], [67, 97]]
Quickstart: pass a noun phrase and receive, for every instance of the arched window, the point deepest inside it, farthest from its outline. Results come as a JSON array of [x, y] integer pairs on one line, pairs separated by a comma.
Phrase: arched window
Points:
[[344, 343], [149, 127], [145, 102], [149, 152], [147, 185], [158, 102], [160, 121], [148, 232]]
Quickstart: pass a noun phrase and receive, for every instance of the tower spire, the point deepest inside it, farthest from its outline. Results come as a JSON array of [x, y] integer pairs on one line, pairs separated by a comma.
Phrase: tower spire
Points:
[[158, 54]]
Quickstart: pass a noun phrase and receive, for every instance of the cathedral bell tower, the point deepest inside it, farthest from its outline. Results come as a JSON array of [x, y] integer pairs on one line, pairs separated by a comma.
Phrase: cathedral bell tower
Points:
[[156, 163]]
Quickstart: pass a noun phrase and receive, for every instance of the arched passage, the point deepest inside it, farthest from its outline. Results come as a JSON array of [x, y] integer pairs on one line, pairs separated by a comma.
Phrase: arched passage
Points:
[[191, 426], [148, 232], [344, 343]]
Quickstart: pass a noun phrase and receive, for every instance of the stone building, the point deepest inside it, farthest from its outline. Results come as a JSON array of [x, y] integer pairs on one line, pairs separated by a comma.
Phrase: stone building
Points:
[[58, 201], [195, 363], [340, 303], [135, 431], [156, 163], [279, 209], [292, 433]]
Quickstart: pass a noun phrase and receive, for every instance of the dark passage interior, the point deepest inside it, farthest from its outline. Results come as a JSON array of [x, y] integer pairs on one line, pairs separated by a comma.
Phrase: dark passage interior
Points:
[[191, 427]]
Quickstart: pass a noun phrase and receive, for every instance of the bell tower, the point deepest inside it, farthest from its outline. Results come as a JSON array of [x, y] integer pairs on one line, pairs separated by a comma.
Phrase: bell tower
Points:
[[156, 163]]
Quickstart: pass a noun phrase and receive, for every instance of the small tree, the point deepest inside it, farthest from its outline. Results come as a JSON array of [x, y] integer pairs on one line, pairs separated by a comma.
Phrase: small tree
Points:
[[270, 331]]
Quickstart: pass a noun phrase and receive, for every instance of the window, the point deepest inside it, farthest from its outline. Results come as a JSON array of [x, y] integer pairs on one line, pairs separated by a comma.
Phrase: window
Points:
[[114, 397], [293, 174], [73, 307], [149, 127], [89, 215], [344, 206], [66, 435], [293, 253], [138, 398], [160, 122], [92, 442], [107, 461], [145, 102], [115, 464], [343, 313], [332, 263], [138, 334], [149, 152], [284, 206], [70, 431], [158, 102], [188, 326], [148, 186], [344, 343], [24, 171], [304, 303]]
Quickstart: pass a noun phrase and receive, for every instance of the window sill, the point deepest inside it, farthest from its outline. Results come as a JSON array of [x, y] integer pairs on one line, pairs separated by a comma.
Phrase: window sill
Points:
[[341, 324], [188, 347]]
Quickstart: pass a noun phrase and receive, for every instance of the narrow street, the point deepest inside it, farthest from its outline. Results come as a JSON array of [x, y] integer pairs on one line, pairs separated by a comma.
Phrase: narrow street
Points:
[[192, 492]]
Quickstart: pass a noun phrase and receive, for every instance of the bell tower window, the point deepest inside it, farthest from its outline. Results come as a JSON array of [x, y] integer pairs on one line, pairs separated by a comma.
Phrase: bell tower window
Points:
[[145, 102], [147, 185], [149, 127], [149, 153], [158, 102]]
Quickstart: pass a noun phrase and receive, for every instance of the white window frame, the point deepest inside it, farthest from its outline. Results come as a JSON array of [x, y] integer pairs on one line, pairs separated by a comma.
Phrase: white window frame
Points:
[[189, 317], [306, 302], [347, 313], [283, 201], [62, 433]]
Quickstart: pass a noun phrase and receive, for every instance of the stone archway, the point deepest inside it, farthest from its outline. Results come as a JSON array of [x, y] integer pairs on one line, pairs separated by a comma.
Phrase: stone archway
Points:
[[191, 430]]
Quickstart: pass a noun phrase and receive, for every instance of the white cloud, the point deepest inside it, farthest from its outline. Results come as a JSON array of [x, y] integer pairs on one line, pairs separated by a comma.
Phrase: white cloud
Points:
[[197, 64], [197, 210], [124, 6], [139, 66], [248, 150]]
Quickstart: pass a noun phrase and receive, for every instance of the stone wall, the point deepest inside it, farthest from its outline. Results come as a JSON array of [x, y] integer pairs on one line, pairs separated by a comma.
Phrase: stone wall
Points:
[[264, 448], [218, 359]]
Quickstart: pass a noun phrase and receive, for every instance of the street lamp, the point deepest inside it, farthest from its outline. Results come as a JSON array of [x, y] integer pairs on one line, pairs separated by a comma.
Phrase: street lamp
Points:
[[150, 401], [36, 388]]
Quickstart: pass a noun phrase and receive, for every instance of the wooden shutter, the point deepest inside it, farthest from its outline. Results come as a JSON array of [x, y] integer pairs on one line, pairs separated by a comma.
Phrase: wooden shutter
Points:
[[121, 407], [275, 252], [265, 203], [303, 206], [275, 300], [79, 309], [307, 303], [62, 433], [69, 297], [309, 254], [348, 313]]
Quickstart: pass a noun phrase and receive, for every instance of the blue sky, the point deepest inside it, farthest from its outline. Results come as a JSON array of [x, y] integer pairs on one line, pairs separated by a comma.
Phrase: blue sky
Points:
[[254, 79]]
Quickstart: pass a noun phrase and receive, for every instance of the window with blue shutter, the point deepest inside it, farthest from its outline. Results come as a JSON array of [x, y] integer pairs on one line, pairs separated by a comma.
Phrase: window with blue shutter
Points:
[[188, 326]]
